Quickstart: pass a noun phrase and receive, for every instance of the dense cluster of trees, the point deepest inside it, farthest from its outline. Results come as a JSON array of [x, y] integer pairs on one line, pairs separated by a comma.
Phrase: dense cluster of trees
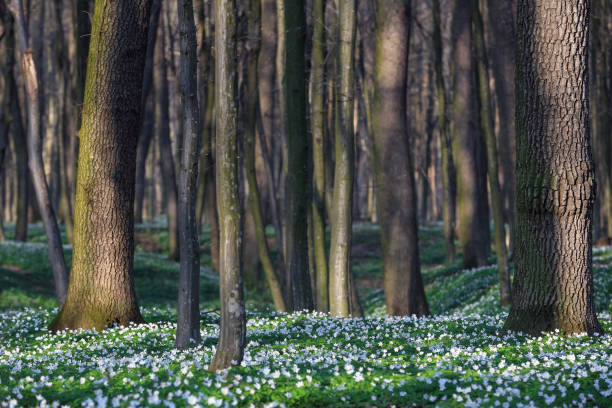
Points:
[[305, 115]]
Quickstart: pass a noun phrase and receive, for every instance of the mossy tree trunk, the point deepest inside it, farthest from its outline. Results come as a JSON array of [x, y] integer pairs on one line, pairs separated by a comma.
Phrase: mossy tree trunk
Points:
[[553, 285], [232, 333], [101, 290], [449, 181], [470, 158], [318, 129], [31, 77], [299, 295], [188, 321], [253, 48], [395, 185], [342, 205], [488, 131]]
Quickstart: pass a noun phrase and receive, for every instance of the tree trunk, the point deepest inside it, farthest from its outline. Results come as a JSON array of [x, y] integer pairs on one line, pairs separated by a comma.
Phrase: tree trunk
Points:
[[488, 130], [188, 320], [34, 142], [20, 148], [101, 290], [396, 198], [162, 130], [317, 115], [7, 61], [501, 33], [553, 285], [296, 204], [144, 141], [254, 21], [232, 333], [342, 206], [467, 146]]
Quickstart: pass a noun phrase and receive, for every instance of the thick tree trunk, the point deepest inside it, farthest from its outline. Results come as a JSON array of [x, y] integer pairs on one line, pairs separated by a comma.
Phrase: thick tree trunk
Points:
[[188, 321], [254, 34], [342, 206], [396, 198], [34, 142], [467, 145], [317, 115], [296, 204], [553, 285], [232, 333], [101, 290], [488, 130]]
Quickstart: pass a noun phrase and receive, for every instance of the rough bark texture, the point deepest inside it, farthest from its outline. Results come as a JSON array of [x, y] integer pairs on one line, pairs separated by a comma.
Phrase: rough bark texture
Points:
[[35, 163], [342, 206], [232, 333], [449, 181], [317, 115], [296, 205], [396, 198], [467, 146], [101, 289], [253, 48], [488, 131], [553, 285], [188, 320]]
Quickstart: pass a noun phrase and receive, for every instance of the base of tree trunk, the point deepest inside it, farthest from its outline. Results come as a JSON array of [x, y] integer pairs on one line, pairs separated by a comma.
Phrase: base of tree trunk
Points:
[[224, 359], [548, 319], [73, 316]]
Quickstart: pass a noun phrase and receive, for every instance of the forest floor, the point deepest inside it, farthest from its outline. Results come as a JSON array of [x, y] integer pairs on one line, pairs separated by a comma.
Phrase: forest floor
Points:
[[456, 357]]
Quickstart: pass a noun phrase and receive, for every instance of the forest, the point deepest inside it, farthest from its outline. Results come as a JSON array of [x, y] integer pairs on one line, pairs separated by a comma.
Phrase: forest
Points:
[[305, 203]]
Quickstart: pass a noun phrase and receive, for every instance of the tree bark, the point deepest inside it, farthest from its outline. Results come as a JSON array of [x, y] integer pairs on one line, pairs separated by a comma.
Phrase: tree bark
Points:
[[449, 181], [317, 115], [34, 143], [232, 333], [162, 130], [296, 204], [342, 206], [396, 198], [488, 131], [101, 290], [467, 147], [20, 148], [253, 49], [188, 321], [553, 285], [501, 33], [144, 141]]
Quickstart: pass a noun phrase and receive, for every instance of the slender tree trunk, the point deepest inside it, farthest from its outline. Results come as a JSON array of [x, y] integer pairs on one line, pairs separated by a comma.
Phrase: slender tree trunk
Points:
[[188, 321], [7, 61], [101, 290], [501, 33], [144, 141], [21, 161], [467, 146], [553, 286], [162, 130], [232, 333], [342, 206], [296, 204], [488, 130], [30, 74], [317, 114], [396, 198], [254, 34]]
